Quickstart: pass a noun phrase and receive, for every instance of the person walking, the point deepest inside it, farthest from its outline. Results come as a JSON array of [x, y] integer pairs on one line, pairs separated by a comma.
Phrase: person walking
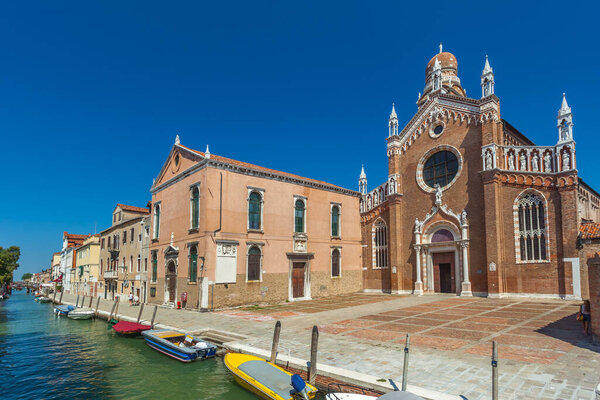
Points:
[[585, 310], [130, 299]]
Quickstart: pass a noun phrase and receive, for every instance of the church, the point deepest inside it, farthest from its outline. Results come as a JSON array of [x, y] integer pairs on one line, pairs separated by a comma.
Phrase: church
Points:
[[471, 205]]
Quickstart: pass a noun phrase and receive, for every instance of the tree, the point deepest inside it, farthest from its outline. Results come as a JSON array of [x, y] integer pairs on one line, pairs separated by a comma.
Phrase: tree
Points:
[[8, 263], [26, 275]]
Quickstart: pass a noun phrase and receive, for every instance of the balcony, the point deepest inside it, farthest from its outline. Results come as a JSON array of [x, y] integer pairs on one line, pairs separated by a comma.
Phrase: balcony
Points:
[[110, 274]]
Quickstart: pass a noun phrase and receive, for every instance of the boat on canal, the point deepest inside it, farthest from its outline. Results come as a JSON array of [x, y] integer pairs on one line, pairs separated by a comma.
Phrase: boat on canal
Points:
[[127, 328], [178, 345], [63, 309], [267, 380], [43, 299], [81, 313]]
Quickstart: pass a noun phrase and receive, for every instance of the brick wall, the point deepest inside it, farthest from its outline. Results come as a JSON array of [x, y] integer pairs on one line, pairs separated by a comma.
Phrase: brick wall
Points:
[[594, 288]]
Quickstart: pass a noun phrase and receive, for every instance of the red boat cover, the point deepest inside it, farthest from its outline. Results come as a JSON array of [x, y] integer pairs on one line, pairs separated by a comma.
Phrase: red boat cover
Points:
[[130, 327]]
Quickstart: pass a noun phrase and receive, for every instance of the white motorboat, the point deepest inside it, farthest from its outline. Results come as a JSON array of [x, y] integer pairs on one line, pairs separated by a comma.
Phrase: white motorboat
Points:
[[81, 313]]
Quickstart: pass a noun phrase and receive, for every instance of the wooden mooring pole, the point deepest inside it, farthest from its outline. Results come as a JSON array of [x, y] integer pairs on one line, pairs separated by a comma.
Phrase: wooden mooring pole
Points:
[[91, 298], [77, 301], [140, 313], [83, 301], [494, 370], [60, 300], [405, 367], [97, 305], [312, 366], [275, 342], [113, 309], [153, 316], [54, 297]]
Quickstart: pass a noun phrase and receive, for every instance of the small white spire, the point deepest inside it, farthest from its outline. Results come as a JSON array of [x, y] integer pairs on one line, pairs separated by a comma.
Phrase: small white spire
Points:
[[419, 96], [172, 238], [486, 67], [362, 172], [437, 65], [207, 152], [441, 47], [393, 113], [177, 139], [564, 107]]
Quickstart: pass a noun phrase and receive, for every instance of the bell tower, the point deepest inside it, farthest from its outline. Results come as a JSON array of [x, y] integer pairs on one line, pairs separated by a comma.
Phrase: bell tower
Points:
[[487, 79], [565, 122]]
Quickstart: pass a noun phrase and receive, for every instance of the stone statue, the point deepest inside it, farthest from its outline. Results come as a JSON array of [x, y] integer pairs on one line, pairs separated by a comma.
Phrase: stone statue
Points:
[[534, 162], [547, 163], [463, 217], [566, 161], [488, 160], [511, 161], [418, 225], [523, 162], [438, 194], [564, 131]]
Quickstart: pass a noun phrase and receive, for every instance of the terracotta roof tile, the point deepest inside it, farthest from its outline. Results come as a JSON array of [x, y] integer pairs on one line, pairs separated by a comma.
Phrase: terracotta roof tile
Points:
[[590, 230], [125, 207], [215, 157]]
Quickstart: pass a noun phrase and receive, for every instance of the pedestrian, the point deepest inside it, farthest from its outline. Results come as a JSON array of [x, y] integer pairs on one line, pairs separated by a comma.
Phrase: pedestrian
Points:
[[584, 316], [130, 299]]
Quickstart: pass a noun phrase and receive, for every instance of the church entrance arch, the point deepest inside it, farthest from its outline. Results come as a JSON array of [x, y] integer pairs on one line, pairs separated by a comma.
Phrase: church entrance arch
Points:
[[441, 244]]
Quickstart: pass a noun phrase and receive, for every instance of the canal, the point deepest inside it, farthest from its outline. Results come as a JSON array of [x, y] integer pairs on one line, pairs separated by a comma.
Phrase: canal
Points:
[[46, 357]]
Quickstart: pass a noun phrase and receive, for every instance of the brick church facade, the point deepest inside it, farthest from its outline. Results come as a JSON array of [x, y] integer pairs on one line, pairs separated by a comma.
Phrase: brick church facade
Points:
[[471, 205]]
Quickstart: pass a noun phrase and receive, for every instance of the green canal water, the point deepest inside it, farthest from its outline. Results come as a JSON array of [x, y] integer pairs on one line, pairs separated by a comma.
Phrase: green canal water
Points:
[[47, 357]]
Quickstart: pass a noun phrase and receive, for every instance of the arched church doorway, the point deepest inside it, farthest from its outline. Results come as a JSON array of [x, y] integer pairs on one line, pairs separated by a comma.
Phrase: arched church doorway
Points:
[[171, 281]]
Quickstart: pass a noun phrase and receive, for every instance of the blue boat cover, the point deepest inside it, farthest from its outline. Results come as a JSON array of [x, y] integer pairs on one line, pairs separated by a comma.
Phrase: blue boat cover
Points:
[[65, 308], [273, 378]]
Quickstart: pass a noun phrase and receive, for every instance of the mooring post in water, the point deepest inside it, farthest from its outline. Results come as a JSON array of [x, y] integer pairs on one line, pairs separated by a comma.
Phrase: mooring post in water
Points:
[[54, 297], [91, 298], [312, 368], [275, 341], [113, 309], [77, 301], [140, 313], [494, 370], [61, 293], [83, 300], [97, 305], [153, 315], [405, 368]]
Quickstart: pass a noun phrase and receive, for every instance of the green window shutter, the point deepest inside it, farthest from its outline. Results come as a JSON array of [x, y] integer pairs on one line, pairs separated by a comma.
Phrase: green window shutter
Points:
[[195, 208], [299, 216], [193, 272], [254, 205]]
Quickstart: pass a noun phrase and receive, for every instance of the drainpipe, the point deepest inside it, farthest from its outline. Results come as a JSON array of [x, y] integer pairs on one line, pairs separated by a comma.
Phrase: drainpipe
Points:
[[220, 205]]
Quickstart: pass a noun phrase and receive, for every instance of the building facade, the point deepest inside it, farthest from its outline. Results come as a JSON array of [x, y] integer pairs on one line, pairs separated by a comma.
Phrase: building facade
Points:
[[227, 233], [87, 268], [66, 269], [121, 257], [471, 205]]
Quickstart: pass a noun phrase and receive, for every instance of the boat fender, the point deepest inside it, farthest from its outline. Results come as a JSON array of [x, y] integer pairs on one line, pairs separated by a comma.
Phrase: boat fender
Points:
[[299, 385]]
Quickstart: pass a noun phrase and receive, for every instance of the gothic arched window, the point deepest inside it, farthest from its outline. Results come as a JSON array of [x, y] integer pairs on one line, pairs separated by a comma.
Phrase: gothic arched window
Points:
[[335, 263], [254, 211], [254, 257], [380, 245], [335, 221], [532, 228], [156, 221]]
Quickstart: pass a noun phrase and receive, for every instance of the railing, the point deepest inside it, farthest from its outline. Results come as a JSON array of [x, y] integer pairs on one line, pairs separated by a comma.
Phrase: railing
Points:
[[110, 274]]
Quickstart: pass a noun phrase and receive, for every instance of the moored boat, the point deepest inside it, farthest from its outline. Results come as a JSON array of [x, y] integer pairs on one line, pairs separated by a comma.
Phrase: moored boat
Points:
[[81, 313], [267, 380], [127, 328], [63, 309], [43, 299], [178, 345]]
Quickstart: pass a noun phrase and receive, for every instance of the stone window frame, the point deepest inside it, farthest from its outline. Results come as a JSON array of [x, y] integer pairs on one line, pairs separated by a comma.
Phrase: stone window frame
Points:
[[374, 246], [339, 207], [305, 222], [189, 259], [261, 193], [155, 223], [434, 125], [192, 228], [339, 249], [425, 157], [260, 246], [517, 232]]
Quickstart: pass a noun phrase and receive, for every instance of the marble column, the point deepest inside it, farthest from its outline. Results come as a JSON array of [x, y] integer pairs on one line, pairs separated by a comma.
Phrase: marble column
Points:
[[466, 284], [418, 284]]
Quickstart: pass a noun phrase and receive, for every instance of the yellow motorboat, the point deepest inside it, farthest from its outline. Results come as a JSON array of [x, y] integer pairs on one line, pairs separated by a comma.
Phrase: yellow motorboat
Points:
[[267, 380]]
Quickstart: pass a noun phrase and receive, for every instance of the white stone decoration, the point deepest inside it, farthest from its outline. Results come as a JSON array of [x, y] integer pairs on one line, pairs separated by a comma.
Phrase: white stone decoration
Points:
[[547, 163], [564, 122], [177, 139], [523, 162], [393, 122], [488, 160], [566, 161], [511, 161], [534, 162], [226, 267], [492, 266], [487, 79]]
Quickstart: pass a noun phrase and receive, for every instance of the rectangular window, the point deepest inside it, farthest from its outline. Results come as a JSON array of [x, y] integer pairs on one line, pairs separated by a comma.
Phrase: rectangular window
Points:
[[124, 237], [132, 234], [145, 264], [152, 292], [102, 246], [139, 265], [131, 264], [109, 242], [154, 266]]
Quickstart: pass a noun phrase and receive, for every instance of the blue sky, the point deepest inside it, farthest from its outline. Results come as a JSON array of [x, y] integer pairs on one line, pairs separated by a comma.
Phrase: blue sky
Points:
[[92, 94]]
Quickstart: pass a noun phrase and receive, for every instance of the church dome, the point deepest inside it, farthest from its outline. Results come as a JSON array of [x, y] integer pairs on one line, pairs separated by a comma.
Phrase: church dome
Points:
[[447, 61]]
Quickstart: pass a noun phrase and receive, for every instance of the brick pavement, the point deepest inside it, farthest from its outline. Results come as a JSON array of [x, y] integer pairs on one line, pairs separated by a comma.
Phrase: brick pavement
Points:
[[543, 353]]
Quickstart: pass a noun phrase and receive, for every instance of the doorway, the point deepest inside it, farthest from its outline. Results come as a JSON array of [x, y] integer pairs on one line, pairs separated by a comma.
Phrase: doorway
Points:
[[298, 273], [171, 279], [444, 272]]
